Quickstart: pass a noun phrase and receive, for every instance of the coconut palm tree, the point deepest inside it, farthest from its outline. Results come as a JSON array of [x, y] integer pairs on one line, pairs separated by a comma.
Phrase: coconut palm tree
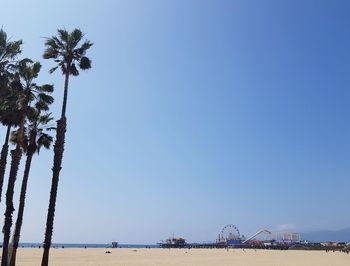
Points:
[[36, 136], [26, 73], [8, 53], [66, 51]]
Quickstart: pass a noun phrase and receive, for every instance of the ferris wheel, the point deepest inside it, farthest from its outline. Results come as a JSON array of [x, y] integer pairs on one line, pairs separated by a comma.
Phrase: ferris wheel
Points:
[[230, 232]]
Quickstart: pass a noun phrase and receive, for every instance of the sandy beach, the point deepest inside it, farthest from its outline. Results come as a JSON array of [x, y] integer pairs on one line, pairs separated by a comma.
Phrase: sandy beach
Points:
[[166, 257]]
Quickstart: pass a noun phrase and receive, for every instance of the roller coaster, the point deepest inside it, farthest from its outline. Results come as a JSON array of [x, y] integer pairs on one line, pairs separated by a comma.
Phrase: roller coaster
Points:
[[230, 233], [262, 231]]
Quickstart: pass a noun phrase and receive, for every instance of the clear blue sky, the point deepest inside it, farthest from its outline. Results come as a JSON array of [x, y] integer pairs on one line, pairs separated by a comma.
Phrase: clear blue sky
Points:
[[196, 114]]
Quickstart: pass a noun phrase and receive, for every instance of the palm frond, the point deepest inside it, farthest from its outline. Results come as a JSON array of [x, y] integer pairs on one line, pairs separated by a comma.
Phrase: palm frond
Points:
[[73, 70], [36, 69], [63, 35], [41, 105], [45, 141], [81, 51], [8, 49], [45, 98], [85, 63], [52, 43], [50, 52], [75, 37], [47, 88], [58, 42], [52, 69], [45, 119]]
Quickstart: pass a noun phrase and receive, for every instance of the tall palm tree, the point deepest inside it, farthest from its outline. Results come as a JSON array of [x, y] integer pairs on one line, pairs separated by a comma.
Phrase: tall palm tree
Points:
[[8, 53], [36, 137], [26, 73], [66, 51]]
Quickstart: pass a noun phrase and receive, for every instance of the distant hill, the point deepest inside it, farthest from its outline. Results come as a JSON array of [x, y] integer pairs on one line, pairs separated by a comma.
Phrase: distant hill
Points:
[[327, 235]]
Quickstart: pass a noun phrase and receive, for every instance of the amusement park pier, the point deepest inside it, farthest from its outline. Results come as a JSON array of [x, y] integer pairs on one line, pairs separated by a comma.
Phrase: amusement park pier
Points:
[[230, 237]]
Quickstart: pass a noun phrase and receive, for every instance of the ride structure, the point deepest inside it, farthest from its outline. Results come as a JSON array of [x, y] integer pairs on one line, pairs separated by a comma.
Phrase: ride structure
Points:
[[262, 231], [230, 235]]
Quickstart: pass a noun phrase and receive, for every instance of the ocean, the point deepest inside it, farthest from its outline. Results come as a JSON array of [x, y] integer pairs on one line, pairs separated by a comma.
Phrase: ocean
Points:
[[70, 245]]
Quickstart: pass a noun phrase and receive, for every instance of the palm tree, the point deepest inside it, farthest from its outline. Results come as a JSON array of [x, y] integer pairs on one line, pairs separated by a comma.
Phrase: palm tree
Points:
[[26, 73], [70, 57], [36, 137], [8, 52]]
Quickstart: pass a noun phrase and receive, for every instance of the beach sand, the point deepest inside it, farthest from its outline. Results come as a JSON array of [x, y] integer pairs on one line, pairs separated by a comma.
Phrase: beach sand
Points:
[[166, 257]]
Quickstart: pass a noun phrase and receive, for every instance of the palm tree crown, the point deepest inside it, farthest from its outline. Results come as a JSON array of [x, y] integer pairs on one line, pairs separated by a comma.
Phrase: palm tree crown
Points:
[[8, 52], [9, 112], [65, 51], [27, 72], [36, 132]]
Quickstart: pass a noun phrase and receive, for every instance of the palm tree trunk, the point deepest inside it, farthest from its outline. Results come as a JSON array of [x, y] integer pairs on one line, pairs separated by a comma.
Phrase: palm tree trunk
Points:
[[57, 166], [3, 158], [65, 93], [19, 220], [58, 150], [16, 158], [16, 155]]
